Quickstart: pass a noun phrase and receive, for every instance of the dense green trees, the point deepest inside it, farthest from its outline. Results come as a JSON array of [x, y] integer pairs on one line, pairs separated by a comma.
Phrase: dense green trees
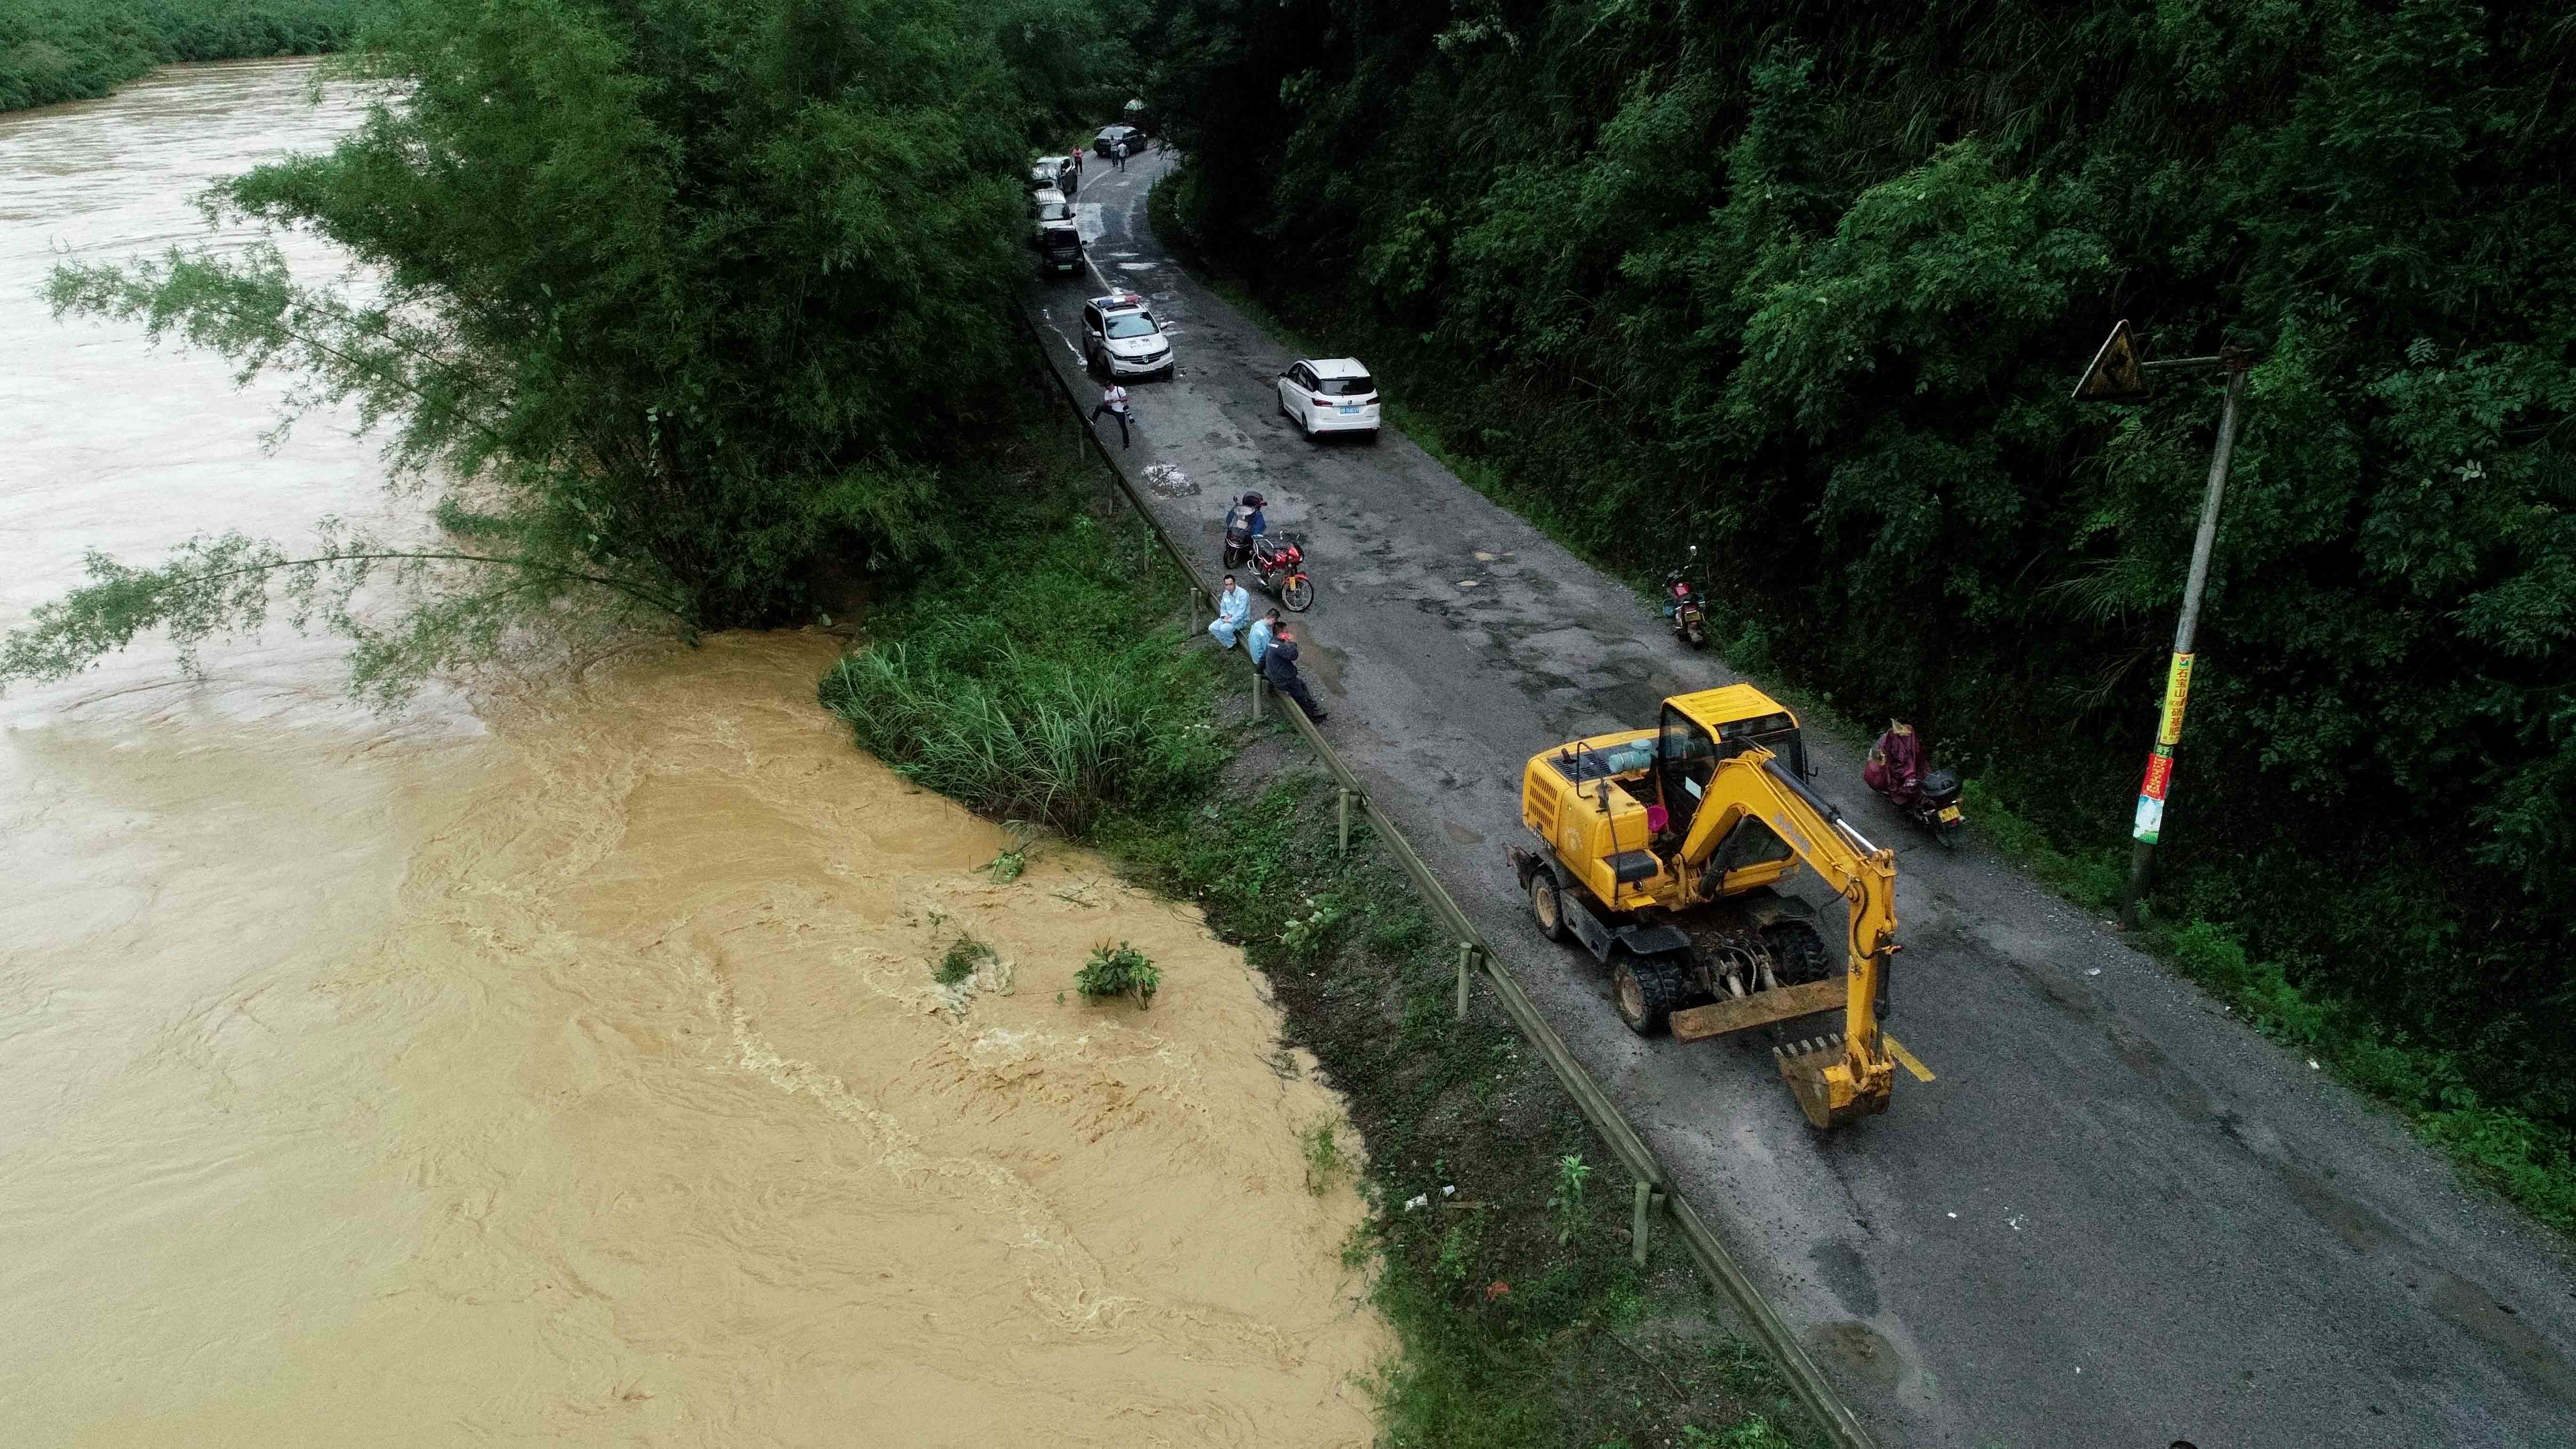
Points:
[[1809, 284], [65, 50], [670, 299]]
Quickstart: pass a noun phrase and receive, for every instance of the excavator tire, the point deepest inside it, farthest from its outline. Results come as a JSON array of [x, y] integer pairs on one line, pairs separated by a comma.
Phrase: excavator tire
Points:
[[1646, 989], [1797, 953], [1547, 905]]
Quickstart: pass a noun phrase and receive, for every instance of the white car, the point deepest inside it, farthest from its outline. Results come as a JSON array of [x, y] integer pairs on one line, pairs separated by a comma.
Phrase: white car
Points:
[[1121, 338], [1330, 395]]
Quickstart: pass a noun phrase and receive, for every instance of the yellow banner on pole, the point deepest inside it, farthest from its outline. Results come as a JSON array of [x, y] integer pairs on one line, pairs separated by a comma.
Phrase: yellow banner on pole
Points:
[[2177, 694]]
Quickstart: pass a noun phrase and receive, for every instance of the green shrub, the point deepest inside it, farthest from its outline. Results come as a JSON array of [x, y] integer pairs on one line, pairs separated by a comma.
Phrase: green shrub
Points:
[[1117, 969], [1048, 692], [959, 962]]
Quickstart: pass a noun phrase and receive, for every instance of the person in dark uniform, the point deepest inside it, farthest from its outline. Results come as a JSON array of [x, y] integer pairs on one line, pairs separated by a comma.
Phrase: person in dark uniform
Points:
[[1279, 666]]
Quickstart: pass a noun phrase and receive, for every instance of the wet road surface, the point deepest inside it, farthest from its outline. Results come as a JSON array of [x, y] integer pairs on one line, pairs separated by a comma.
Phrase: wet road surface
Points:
[[2114, 1218]]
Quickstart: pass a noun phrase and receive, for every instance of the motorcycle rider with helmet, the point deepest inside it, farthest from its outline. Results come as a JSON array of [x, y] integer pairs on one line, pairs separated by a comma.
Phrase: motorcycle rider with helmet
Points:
[[1244, 529]]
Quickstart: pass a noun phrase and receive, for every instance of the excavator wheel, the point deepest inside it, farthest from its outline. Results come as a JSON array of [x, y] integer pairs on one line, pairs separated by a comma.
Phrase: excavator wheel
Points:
[[1797, 952], [1646, 989], [1547, 905]]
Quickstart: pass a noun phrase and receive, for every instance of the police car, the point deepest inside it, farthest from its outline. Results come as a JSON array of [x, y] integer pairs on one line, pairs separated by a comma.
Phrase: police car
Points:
[[1121, 338]]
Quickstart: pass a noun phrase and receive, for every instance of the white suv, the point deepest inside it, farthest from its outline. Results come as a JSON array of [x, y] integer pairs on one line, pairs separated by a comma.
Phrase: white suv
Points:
[[1121, 338], [1333, 395]]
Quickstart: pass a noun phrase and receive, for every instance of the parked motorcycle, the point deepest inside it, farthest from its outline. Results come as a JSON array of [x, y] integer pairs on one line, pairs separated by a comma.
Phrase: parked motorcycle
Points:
[[1685, 608], [1279, 565]]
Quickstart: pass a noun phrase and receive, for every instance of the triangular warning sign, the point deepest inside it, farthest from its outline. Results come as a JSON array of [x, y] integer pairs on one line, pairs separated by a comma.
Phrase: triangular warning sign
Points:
[[2115, 375]]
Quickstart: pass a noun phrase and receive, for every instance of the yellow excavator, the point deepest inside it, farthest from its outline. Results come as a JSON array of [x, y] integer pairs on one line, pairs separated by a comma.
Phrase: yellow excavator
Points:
[[1662, 851]]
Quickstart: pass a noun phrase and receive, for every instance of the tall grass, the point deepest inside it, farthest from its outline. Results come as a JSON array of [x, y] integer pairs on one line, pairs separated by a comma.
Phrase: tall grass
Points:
[[1046, 686], [67, 50]]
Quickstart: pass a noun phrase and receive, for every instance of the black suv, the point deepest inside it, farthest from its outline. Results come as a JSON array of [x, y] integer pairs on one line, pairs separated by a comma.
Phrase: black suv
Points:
[[1109, 137]]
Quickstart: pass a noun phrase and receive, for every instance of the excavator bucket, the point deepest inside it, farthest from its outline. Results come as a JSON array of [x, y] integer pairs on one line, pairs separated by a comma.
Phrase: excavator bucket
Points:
[[1830, 1086]]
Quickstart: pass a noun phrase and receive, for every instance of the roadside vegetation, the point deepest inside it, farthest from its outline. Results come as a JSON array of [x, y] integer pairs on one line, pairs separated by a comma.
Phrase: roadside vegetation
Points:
[[671, 309], [1499, 1250], [1810, 288], [70, 50]]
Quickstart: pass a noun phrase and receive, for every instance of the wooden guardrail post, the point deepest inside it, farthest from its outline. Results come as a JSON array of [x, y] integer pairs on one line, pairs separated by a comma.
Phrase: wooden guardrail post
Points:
[[1345, 795], [1466, 964], [1638, 1226], [1256, 695]]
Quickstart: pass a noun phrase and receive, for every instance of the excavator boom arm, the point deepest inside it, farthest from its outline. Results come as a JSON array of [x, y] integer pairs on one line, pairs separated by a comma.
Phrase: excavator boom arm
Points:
[[1753, 784]]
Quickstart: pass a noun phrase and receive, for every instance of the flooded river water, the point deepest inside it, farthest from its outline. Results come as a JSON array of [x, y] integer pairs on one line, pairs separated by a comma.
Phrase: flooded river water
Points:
[[561, 1063]]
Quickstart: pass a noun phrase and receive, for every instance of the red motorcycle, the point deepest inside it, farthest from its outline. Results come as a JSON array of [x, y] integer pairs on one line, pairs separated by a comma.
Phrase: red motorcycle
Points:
[[1280, 567], [1682, 607]]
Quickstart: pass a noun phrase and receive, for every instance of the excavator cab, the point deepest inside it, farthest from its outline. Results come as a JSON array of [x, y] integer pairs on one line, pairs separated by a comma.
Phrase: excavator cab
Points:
[[1688, 750]]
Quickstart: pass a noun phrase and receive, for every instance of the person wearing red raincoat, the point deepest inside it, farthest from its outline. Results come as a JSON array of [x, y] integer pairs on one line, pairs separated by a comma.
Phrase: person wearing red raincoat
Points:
[[1895, 767]]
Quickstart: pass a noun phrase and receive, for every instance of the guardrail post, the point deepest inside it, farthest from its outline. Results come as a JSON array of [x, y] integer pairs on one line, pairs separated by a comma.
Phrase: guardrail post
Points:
[[1466, 963], [1346, 821], [1637, 1228], [1256, 694]]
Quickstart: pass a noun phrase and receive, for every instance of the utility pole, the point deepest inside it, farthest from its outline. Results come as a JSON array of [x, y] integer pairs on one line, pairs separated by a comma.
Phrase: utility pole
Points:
[[2118, 375]]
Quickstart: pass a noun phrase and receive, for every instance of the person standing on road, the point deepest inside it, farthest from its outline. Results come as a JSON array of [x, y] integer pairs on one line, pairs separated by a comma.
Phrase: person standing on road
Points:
[[1119, 155], [1076, 159], [1279, 666], [1256, 640], [1233, 606], [1113, 400]]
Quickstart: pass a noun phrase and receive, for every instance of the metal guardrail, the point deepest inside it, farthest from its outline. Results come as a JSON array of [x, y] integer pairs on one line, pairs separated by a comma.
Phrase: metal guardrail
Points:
[[1654, 1183]]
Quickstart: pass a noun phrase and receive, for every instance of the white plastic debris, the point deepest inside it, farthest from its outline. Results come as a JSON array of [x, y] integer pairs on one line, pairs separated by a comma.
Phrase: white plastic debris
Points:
[[1422, 1201], [1449, 1191], [2312, 1065], [2096, 971]]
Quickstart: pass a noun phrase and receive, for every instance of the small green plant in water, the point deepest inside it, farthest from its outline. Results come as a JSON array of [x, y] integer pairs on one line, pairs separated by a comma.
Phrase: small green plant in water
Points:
[[1119, 970], [1571, 1215], [1325, 1160], [963, 956]]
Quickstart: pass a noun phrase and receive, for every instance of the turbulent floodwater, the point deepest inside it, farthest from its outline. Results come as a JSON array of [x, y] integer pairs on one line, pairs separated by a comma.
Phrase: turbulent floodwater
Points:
[[562, 1065]]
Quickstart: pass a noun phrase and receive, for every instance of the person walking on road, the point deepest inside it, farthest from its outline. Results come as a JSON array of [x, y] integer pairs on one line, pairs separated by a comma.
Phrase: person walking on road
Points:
[[1279, 666], [1119, 155], [1256, 640], [1233, 606], [1113, 400]]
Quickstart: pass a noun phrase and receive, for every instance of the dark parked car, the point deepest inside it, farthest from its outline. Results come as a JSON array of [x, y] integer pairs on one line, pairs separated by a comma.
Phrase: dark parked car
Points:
[[1109, 137]]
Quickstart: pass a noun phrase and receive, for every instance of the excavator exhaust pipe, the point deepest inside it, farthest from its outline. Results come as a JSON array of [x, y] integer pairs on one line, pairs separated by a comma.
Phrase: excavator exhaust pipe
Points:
[[1832, 1084]]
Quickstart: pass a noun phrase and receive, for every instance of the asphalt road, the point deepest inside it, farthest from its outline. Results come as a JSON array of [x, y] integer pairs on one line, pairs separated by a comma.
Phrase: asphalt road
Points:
[[2115, 1218]]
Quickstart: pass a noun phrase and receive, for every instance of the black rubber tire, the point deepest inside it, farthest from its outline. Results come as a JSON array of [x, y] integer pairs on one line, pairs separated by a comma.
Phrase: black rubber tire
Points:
[[1297, 592], [1373, 436], [1645, 989], [1953, 835], [1695, 636], [1547, 906], [1798, 953]]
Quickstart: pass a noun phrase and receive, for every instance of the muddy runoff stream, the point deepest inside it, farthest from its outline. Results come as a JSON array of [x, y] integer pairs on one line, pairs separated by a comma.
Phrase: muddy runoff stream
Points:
[[562, 1063]]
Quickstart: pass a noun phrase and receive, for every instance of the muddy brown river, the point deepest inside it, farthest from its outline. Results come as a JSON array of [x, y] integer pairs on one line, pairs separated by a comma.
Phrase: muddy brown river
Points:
[[559, 1061]]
